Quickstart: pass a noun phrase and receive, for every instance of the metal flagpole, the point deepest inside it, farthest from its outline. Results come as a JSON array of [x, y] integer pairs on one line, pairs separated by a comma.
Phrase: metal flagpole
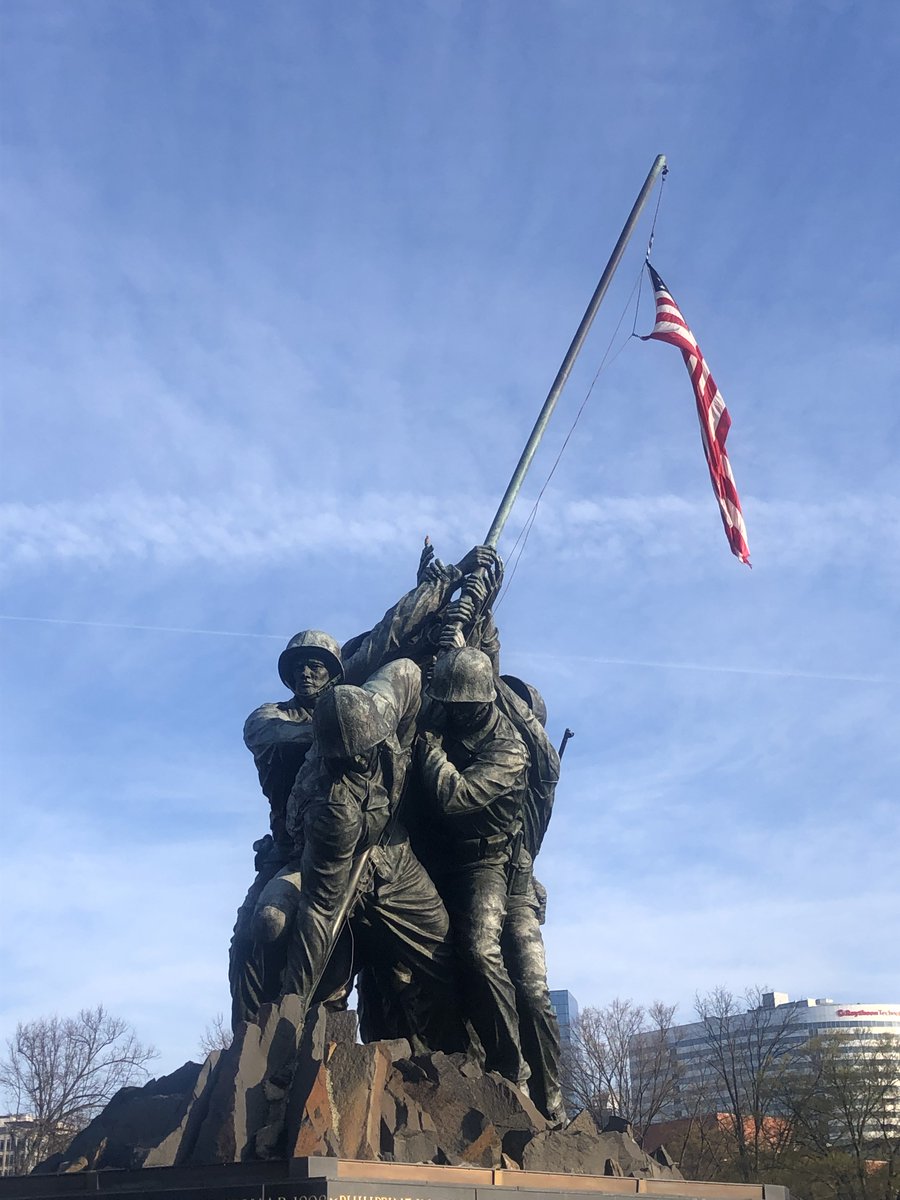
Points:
[[359, 867], [562, 375]]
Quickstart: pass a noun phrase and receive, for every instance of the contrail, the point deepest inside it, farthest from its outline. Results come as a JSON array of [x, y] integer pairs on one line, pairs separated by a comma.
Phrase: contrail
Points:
[[145, 628], [653, 664], [764, 672]]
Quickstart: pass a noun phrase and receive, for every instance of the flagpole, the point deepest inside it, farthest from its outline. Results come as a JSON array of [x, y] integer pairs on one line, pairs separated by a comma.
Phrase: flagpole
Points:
[[515, 484]]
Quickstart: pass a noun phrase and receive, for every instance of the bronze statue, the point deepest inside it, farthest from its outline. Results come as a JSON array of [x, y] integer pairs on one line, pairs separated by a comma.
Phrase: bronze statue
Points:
[[474, 768], [409, 787], [279, 736]]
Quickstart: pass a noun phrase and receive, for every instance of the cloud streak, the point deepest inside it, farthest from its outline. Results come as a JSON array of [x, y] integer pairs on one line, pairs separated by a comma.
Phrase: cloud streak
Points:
[[253, 526], [715, 668], [545, 659], [231, 633]]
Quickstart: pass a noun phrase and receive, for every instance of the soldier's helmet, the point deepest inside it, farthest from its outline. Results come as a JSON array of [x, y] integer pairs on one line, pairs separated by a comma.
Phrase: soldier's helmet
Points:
[[310, 643], [528, 694], [347, 722], [463, 675]]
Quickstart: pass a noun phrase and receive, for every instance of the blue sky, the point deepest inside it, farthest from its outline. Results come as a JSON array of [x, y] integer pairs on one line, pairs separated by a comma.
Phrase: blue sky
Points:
[[284, 286]]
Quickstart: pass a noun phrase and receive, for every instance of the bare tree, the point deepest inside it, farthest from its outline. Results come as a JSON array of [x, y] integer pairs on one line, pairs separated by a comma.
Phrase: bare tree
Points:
[[622, 1062], [63, 1070], [583, 1086], [844, 1098], [751, 1046], [756, 1098], [216, 1036], [654, 1070], [702, 1145]]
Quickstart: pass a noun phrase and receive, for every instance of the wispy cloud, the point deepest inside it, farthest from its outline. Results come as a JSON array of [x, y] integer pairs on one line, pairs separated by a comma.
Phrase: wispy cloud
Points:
[[225, 528], [670, 912], [544, 660], [139, 921], [253, 526], [715, 668]]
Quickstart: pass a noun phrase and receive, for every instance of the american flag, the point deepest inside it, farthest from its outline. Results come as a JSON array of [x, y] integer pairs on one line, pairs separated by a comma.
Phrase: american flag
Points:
[[714, 419]]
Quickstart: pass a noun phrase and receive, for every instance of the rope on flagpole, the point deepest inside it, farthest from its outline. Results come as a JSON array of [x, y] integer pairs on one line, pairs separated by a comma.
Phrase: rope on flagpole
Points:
[[530, 519], [659, 196], [637, 303]]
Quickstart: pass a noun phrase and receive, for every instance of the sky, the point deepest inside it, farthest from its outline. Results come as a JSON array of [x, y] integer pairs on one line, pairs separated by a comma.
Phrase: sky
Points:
[[284, 286]]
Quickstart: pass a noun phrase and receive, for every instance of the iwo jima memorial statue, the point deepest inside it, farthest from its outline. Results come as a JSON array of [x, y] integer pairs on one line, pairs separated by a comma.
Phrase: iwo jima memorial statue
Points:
[[410, 782]]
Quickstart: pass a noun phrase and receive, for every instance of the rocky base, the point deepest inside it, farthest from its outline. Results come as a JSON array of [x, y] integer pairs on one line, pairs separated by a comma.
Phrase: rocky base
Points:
[[287, 1090]]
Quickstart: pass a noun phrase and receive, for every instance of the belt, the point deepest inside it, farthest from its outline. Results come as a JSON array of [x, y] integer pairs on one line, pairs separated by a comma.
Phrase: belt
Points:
[[473, 849]]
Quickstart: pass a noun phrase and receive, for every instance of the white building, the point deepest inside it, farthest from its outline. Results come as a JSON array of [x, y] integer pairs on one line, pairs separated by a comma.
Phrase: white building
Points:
[[778, 1023], [16, 1133]]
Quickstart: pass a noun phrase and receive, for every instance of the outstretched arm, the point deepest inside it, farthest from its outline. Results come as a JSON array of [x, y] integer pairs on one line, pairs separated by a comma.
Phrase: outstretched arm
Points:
[[409, 618], [499, 768], [468, 619]]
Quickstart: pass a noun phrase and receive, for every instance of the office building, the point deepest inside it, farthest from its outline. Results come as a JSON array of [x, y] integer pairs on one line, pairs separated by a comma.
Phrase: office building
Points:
[[16, 1136], [777, 1022], [566, 1008]]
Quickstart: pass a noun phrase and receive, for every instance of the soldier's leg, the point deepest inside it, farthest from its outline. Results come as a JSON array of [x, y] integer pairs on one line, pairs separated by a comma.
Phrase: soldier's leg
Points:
[[253, 968], [374, 1002], [403, 928], [332, 831], [523, 952], [388, 1004], [476, 898], [276, 907]]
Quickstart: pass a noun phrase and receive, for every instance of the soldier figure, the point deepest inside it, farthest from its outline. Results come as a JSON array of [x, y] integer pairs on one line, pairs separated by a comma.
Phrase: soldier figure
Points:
[[344, 804], [279, 736], [523, 945], [473, 768]]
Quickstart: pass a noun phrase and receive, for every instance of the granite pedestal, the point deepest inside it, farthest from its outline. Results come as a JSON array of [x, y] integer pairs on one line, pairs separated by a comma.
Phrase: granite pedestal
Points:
[[347, 1179]]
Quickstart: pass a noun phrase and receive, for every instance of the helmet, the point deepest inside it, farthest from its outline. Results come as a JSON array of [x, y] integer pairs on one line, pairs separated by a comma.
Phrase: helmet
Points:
[[348, 722], [463, 676], [528, 695], [310, 643]]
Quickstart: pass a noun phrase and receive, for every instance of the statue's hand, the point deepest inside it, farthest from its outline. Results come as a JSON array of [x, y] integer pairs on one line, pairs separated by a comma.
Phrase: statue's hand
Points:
[[263, 847], [425, 561], [481, 556], [461, 611], [452, 637], [477, 588], [436, 571], [428, 741]]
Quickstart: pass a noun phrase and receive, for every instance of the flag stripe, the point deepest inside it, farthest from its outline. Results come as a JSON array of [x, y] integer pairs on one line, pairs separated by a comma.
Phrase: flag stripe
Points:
[[715, 421]]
